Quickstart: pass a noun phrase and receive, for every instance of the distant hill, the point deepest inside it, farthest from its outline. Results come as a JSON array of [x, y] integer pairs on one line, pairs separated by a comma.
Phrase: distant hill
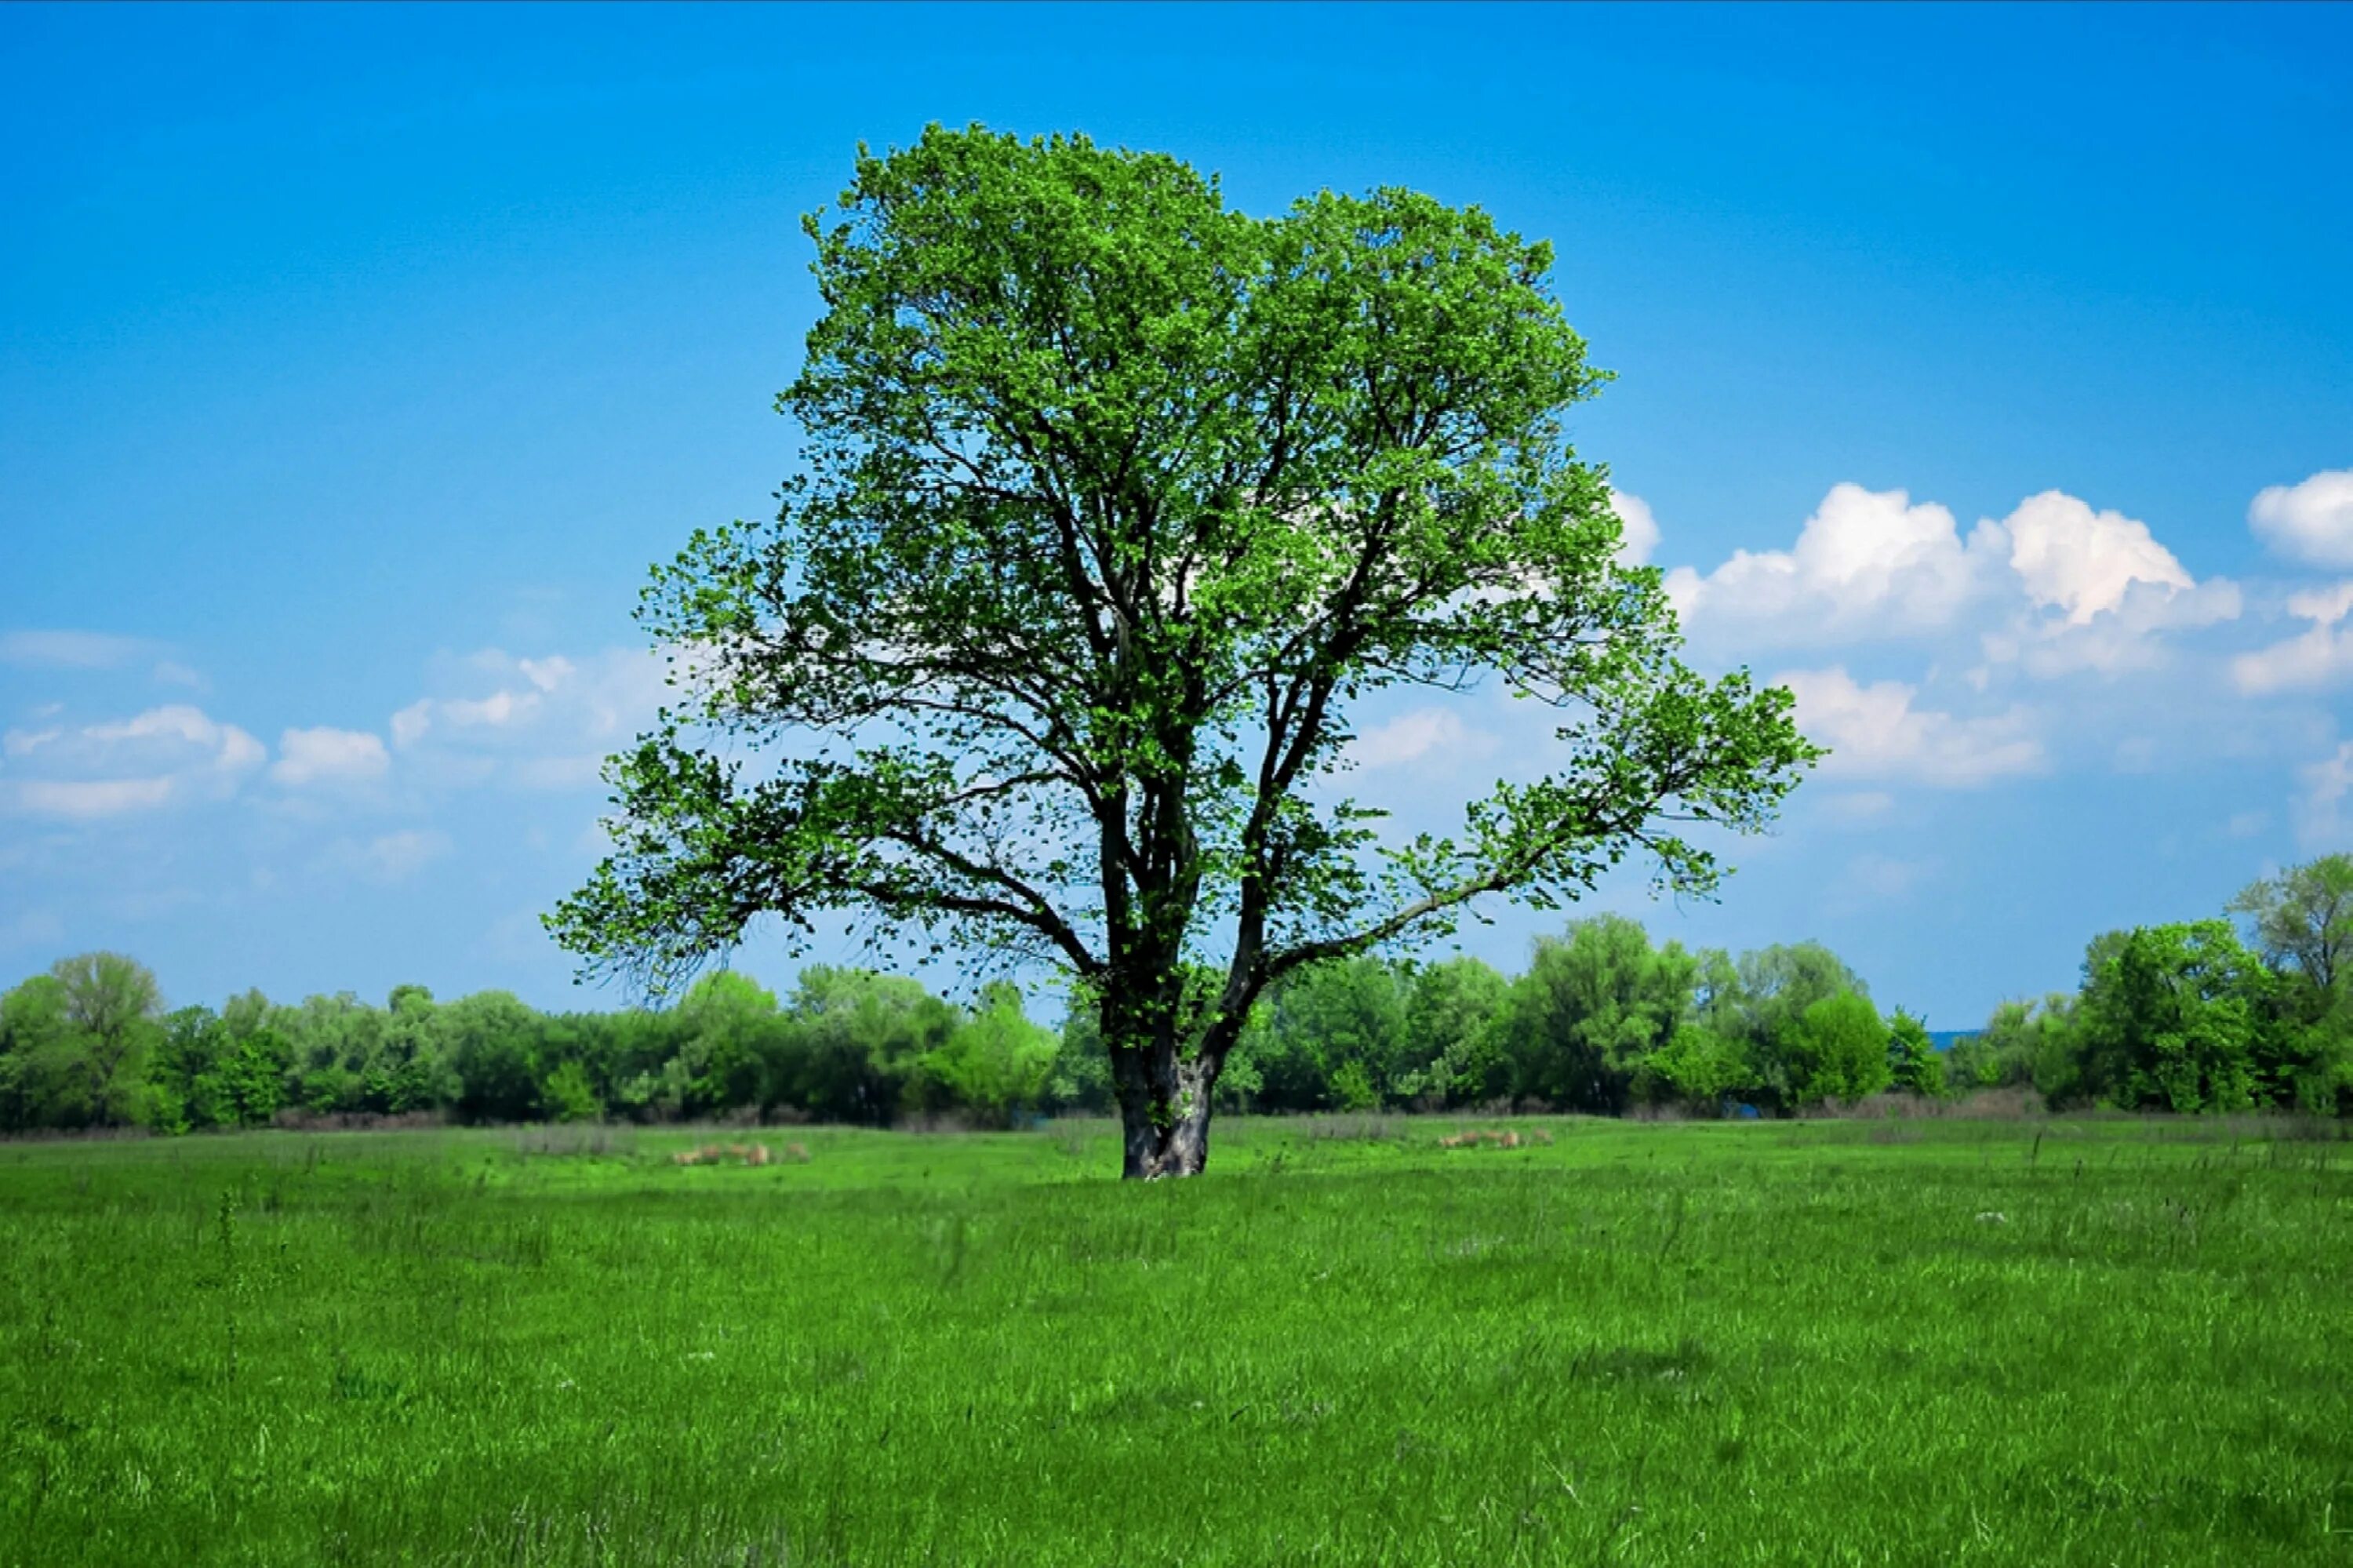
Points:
[[1945, 1039]]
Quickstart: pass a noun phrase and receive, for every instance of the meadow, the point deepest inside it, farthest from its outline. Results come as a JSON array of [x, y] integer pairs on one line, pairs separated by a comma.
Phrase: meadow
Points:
[[2044, 1340]]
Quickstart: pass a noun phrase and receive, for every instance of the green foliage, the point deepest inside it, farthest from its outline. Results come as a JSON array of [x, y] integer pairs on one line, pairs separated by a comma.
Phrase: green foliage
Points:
[[2169, 1018], [1451, 1010], [995, 1065], [2004, 1053], [1334, 1036], [1701, 1067], [1837, 1049], [568, 1096], [110, 1004], [1913, 1062], [491, 1039], [38, 1087], [1115, 504], [1577, 1030]]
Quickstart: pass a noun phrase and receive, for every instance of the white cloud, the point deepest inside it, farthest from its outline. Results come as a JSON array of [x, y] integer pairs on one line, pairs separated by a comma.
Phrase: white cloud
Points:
[[1867, 563], [1410, 737], [547, 673], [137, 764], [409, 725], [331, 755], [2316, 657], [498, 708], [576, 772], [2308, 522], [172, 672], [2083, 561], [2127, 635], [84, 799], [2320, 809], [25, 741], [2054, 587], [532, 723], [387, 858], [1875, 732], [1638, 530]]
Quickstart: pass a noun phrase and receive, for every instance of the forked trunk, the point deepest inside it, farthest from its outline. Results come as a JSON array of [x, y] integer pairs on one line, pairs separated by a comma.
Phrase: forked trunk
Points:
[[1164, 1107]]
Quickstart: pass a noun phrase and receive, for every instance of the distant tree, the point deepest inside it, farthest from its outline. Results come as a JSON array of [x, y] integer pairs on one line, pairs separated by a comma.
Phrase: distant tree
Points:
[[2302, 919], [1451, 1008], [1116, 502], [568, 1096], [1913, 1063], [2170, 1017], [411, 1071], [335, 1041], [1080, 1079], [2003, 1055], [36, 1078], [733, 1049], [1837, 1050], [187, 1052], [1334, 1034], [996, 1064], [1699, 1066], [2301, 924], [1581, 1024], [110, 1003], [1762, 1007], [490, 1038], [865, 1036]]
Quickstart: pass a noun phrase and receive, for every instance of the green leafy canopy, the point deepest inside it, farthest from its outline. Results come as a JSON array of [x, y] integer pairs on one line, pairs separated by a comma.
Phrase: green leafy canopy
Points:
[[1116, 501]]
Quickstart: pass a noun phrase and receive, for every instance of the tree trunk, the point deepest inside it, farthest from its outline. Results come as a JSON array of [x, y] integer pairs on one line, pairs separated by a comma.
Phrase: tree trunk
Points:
[[1164, 1109]]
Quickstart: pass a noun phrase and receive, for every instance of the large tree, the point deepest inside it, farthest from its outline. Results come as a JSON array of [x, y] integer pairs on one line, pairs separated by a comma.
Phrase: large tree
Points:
[[1115, 503]]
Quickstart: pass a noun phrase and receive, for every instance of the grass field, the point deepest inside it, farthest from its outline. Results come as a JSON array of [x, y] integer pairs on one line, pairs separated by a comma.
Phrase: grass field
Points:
[[2044, 1343]]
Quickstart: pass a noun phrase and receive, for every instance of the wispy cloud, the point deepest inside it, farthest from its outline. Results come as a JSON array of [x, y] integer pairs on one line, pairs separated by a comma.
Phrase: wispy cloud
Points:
[[72, 650], [139, 764]]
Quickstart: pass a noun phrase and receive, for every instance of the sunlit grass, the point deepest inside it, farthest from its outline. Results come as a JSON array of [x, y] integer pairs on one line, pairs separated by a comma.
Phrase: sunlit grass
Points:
[[1823, 1342]]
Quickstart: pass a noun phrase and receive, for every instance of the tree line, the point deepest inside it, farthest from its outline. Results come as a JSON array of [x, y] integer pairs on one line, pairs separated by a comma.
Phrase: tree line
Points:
[[2203, 1015]]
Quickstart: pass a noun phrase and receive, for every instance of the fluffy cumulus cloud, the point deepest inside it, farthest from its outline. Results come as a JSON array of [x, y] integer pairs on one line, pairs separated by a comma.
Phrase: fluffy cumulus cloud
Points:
[[2311, 522], [327, 756], [2084, 562], [1638, 530], [2104, 593], [2054, 587], [1867, 563], [1879, 731], [164, 756]]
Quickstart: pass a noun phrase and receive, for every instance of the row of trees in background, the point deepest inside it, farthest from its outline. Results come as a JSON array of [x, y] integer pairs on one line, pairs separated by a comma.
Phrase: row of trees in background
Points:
[[2187, 1017]]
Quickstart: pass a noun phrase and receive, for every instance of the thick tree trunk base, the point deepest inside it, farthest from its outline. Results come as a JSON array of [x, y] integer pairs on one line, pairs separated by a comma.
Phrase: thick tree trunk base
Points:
[[1151, 1152]]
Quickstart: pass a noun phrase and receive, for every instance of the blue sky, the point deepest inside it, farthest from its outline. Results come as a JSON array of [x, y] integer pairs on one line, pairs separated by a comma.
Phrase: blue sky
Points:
[[1987, 372]]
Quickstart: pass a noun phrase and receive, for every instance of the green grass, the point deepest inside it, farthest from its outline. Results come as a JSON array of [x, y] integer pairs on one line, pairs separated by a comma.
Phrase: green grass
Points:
[[2055, 1342]]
